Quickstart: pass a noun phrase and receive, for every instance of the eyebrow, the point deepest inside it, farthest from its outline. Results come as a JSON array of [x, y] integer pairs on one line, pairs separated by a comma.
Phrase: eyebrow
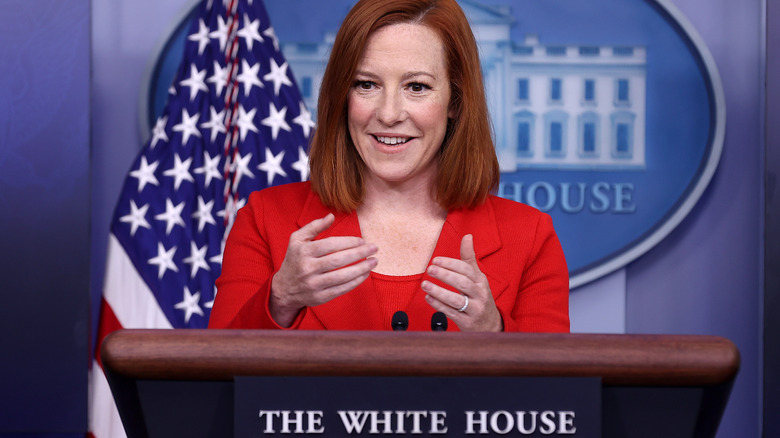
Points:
[[406, 76]]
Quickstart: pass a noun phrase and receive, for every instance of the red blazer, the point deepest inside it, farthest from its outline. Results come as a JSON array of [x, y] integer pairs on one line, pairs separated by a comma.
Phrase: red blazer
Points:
[[515, 244]]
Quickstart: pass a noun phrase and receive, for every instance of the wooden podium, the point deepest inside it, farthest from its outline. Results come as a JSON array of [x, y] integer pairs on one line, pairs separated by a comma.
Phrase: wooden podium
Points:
[[180, 382]]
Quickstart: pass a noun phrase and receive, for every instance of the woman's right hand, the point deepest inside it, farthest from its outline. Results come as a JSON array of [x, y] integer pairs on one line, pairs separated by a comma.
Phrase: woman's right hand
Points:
[[316, 271]]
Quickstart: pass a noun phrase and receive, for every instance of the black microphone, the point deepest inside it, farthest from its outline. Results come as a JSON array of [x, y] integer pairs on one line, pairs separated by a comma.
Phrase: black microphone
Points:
[[439, 322], [400, 321]]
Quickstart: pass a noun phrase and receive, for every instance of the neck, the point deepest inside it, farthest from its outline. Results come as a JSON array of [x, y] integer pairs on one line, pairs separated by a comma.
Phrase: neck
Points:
[[401, 199]]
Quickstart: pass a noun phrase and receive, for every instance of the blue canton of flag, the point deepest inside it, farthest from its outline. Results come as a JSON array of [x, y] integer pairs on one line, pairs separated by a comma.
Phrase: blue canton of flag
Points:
[[234, 123]]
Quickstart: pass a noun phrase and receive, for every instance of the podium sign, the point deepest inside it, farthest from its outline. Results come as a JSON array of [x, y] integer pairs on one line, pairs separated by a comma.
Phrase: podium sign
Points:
[[417, 406]]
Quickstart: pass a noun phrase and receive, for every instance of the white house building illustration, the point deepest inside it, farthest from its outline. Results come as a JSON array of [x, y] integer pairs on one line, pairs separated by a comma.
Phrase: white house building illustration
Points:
[[552, 106]]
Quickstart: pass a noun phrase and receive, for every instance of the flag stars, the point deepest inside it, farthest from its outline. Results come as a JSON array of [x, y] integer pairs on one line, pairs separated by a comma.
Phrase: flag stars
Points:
[[201, 37], [196, 82], [203, 215], [272, 165], [221, 33], [158, 132], [210, 168], [249, 76], [189, 304], [276, 120], [172, 215], [278, 75], [304, 120], [180, 171], [164, 260], [188, 126], [219, 78], [302, 165], [250, 32], [246, 121], [136, 218], [145, 174], [241, 168], [216, 124], [197, 259], [210, 304], [271, 33]]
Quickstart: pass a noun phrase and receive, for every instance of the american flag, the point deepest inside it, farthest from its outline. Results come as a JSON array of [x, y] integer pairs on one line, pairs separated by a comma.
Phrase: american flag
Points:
[[234, 123]]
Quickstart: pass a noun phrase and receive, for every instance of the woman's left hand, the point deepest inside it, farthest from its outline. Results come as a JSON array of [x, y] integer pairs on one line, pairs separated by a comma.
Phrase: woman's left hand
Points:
[[473, 309]]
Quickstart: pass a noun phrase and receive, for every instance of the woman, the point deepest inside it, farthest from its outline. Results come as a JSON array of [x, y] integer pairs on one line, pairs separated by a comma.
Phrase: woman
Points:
[[398, 214]]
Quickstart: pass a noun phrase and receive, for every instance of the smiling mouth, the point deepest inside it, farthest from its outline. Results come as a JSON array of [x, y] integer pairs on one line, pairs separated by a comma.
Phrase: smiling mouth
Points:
[[392, 141]]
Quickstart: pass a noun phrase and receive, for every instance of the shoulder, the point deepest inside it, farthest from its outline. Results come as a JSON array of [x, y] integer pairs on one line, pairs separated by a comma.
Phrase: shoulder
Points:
[[507, 210], [291, 191]]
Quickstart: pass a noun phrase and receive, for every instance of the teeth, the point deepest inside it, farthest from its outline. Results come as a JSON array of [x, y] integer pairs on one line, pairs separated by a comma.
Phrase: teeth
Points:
[[392, 140]]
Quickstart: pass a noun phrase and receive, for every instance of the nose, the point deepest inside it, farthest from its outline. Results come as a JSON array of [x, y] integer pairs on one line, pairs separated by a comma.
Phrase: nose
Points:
[[391, 109]]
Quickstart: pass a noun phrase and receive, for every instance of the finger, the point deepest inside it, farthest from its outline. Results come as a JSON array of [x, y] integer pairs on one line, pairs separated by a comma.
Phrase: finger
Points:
[[447, 310], [446, 297], [467, 250], [333, 244], [343, 280], [345, 257], [313, 228], [457, 280]]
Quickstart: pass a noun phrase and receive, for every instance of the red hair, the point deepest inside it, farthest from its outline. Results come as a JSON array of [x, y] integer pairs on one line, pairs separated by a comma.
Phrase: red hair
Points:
[[468, 167]]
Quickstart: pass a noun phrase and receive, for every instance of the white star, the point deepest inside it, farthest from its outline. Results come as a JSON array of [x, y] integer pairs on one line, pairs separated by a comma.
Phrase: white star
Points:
[[216, 123], [270, 33], [249, 76], [302, 165], [158, 132], [241, 168], [202, 36], [221, 33], [210, 304], [197, 259], [210, 167], [164, 260], [189, 304], [250, 32], [219, 78], [145, 174], [246, 121], [229, 214], [278, 75], [216, 259], [304, 120], [272, 165], [196, 81], [203, 215], [180, 171], [137, 217], [276, 120], [188, 126], [172, 215]]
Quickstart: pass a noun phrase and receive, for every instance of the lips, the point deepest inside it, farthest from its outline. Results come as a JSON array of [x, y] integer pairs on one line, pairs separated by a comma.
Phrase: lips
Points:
[[392, 141]]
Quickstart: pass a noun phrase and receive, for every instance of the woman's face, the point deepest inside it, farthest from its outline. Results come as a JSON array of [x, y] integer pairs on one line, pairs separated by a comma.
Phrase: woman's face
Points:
[[399, 104]]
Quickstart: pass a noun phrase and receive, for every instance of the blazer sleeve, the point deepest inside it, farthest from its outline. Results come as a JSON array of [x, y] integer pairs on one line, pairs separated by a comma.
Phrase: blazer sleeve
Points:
[[244, 286], [542, 303]]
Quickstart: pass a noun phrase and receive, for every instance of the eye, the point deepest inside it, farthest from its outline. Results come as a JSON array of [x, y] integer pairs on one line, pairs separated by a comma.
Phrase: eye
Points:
[[417, 87], [364, 85]]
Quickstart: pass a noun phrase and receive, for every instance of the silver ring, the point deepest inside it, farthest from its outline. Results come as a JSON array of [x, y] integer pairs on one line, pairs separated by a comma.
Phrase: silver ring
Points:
[[465, 305]]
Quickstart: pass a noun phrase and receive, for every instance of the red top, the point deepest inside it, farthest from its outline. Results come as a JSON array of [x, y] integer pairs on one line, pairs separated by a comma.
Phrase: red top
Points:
[[515, 245]]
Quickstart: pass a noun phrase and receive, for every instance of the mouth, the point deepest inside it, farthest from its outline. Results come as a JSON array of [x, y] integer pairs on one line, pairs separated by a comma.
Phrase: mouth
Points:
[[391, 141]]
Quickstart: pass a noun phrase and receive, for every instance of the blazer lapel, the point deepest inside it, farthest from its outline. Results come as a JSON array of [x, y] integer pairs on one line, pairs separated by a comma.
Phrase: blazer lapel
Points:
[[479, 222]]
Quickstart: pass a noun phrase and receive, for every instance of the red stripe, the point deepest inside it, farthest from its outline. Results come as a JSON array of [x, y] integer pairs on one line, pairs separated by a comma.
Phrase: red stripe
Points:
[[108, 323]]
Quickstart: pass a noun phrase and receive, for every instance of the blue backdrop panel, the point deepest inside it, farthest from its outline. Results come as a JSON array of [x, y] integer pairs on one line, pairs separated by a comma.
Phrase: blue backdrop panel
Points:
[[44, 215]]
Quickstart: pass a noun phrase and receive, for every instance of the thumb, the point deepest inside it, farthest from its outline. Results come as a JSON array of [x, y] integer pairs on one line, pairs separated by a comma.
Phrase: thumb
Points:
[[467, 253], [315, 227]]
